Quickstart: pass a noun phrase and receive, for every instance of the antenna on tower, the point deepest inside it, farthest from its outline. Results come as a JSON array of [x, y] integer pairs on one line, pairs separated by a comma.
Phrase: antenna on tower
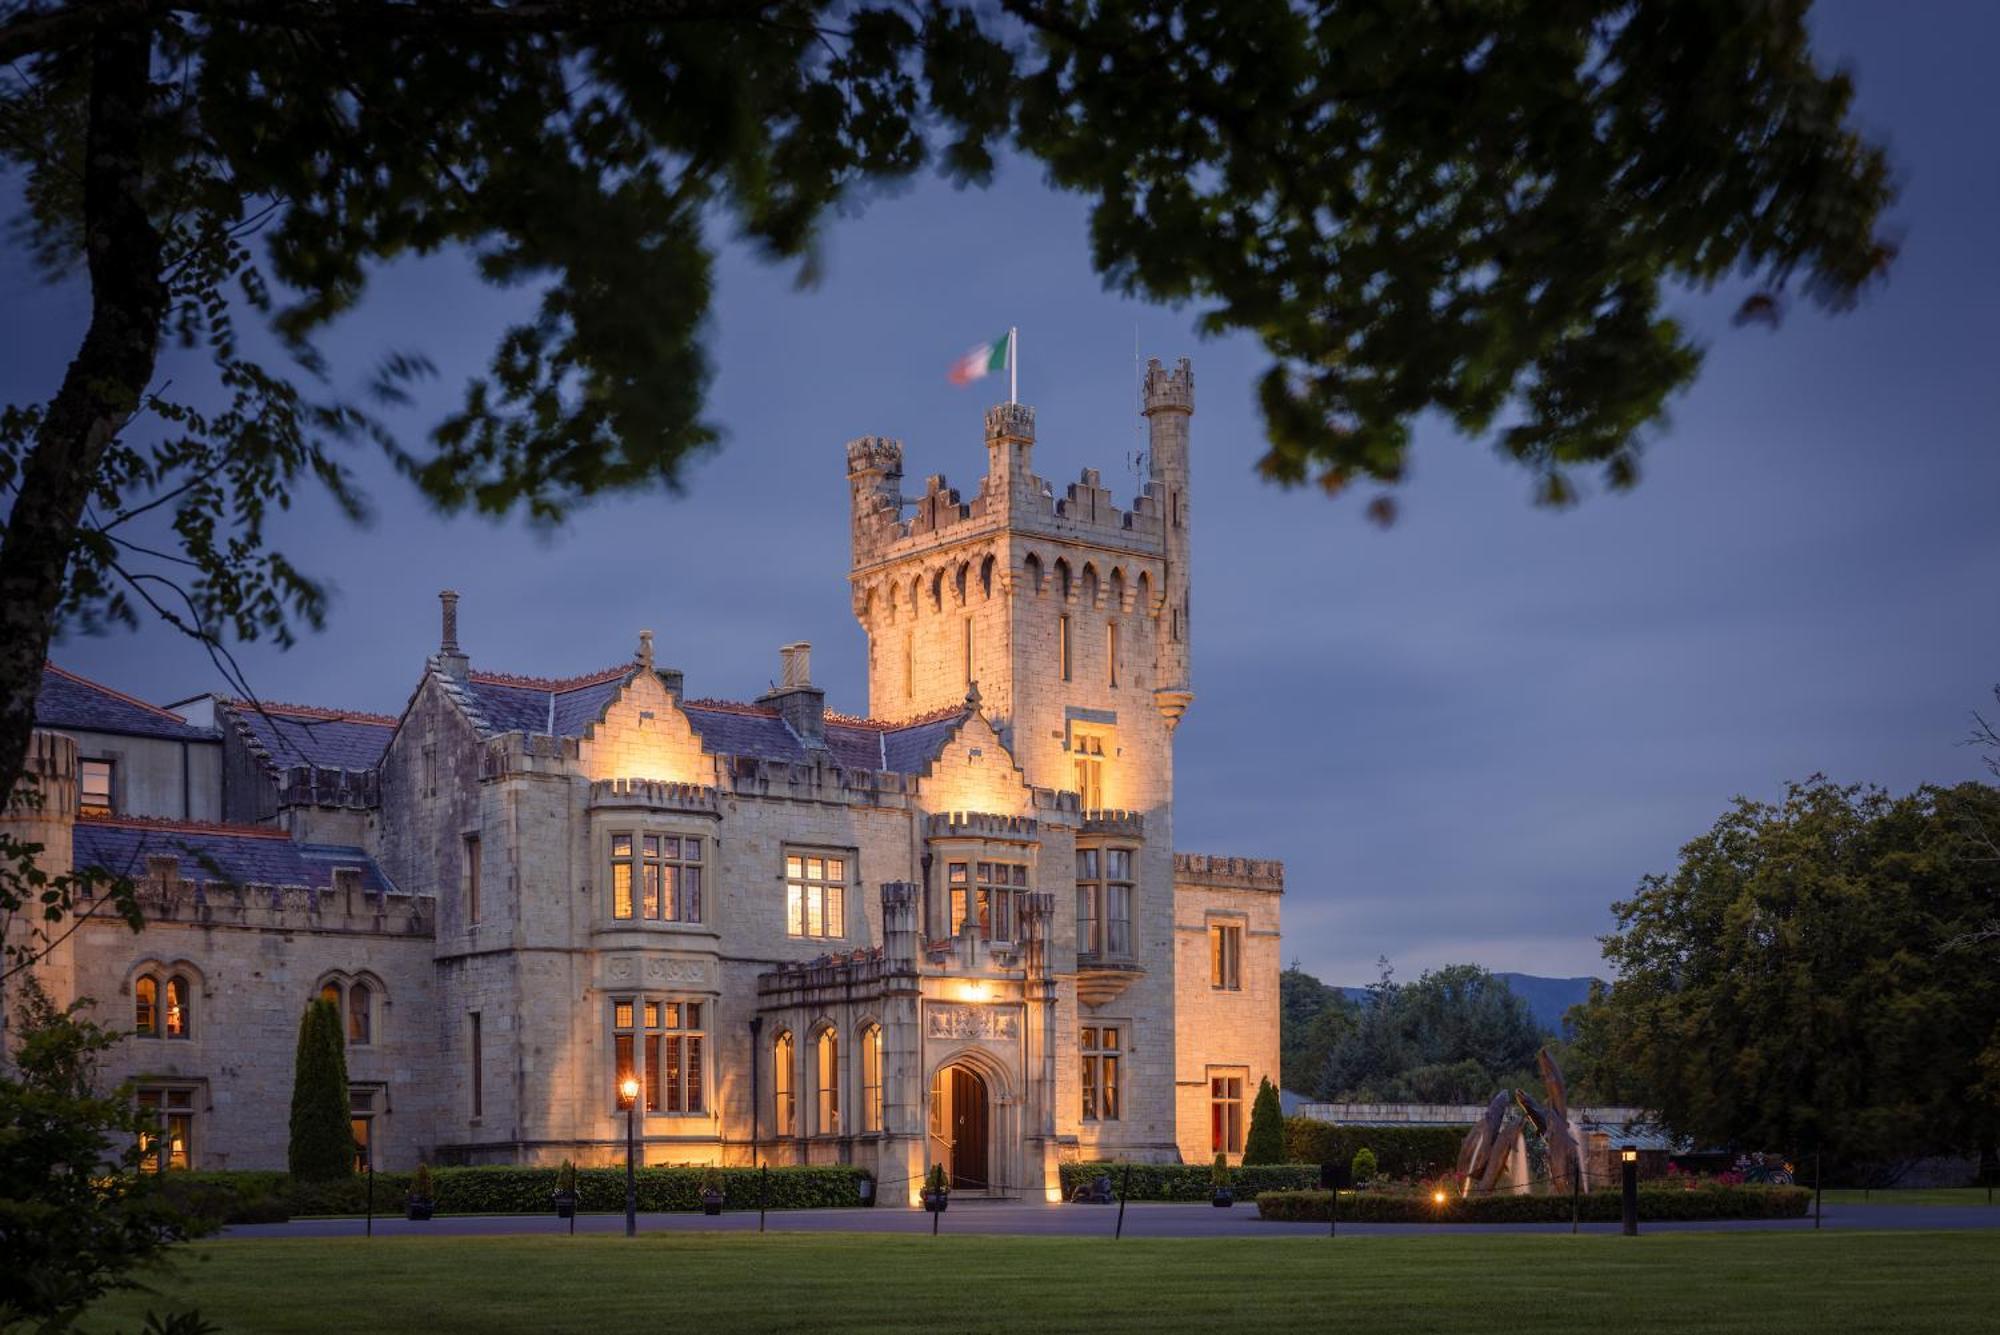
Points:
[[1136, 458]]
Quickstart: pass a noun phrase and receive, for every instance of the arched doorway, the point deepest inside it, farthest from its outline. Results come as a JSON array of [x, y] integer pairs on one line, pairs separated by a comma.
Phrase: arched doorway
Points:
[[961, 1127]]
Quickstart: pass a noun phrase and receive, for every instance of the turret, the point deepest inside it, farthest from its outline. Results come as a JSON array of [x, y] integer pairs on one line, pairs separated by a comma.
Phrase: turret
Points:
[[1168, 403], [875, 486], [1010, 446]]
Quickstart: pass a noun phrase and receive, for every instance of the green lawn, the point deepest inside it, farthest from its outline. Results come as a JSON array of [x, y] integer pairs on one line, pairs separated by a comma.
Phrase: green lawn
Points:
[[1763, 1283], [1915, 1196]]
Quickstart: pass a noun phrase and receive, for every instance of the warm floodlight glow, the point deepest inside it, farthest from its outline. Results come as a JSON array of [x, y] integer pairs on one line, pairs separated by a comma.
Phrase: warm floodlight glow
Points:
[[630, 1089], [1630, 1154], [975, 991], [1437, 1197]]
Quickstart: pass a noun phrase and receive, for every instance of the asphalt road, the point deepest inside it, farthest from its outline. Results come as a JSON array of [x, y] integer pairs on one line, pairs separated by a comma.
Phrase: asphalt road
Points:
[[1141, 1221]]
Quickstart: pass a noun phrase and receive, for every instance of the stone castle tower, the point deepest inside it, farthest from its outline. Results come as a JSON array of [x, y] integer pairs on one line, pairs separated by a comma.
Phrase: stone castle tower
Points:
[[1069, 617]]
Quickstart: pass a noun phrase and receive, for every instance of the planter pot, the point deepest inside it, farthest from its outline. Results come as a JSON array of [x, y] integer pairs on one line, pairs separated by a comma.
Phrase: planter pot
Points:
[[867, 1187], [936, 1201], [1223, 1198], [565, 1207], [420, 1210], [711, 1202]]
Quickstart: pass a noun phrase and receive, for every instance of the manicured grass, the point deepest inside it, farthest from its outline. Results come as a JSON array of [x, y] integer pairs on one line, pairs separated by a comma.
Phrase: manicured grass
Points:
[[1914, 1196], [1757, 1283]]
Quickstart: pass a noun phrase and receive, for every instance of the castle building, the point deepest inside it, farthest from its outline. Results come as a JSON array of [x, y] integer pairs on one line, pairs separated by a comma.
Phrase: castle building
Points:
[[952, 931]]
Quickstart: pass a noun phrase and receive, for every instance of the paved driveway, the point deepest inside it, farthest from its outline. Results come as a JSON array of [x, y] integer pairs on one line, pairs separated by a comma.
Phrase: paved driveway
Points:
[[1141, 1221]]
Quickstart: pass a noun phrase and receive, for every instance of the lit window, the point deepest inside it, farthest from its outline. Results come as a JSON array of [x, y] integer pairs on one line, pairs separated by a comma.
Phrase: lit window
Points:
[[670, 1069], [169, 1118], [995, 887], [360, 1014], [970, 663], [1087, 749], [146, 1006], [1100, 1048], [784, 1103], [656, 877], [827, 1064], [177, 1018], [623, 1061], [361, 1124], [1062, 644], [1225, 1114], [871, 1078], [1104, 901], [1225, 957], [909, 665], [815, 895], [1111, 653], [93, 784]]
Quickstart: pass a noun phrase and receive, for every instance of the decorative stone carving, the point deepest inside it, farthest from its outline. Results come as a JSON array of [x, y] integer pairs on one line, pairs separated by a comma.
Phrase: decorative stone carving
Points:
[[988, 1023]]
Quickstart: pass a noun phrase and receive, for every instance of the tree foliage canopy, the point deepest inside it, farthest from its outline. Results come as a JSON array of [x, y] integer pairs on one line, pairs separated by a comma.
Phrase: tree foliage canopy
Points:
[[1803, 980], [1472, 209], [1454, 1036]]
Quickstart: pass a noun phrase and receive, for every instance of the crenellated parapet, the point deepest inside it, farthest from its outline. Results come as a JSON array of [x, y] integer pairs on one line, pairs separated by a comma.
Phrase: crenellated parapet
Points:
[[1266, 874], [323, 786], [654, 795], [981, 825], [345, 907], [1114, 824]]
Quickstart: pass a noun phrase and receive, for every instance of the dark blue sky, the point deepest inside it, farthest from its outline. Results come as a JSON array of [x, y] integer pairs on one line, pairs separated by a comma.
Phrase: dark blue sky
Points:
[[1466, 734]]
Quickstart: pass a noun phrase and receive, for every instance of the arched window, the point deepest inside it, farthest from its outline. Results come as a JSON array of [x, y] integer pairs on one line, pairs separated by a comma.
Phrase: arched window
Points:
[[146, 1006], [958, 581], [360, 1013], [329, 992], [784, 1099], [827, 1064], [871, 1078], [1062, 577], [177, 1016], [1032, 566], [986, 578]]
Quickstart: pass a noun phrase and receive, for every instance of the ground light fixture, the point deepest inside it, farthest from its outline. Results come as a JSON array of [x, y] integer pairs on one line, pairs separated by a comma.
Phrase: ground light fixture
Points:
[[628, 1096], [1629, 1154], [1437, 1198]]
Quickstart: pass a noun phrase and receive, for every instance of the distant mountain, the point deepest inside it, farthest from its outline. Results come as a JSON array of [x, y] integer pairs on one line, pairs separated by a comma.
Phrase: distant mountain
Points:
[[1548, 998]]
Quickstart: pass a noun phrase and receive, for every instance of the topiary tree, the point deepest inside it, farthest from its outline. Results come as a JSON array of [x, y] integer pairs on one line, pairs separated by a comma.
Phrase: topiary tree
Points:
[[1363, 1169], [1267, 1127], [322, 1148]]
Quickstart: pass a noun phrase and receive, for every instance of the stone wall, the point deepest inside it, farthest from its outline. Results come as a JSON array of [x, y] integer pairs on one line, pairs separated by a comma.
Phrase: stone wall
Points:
[[1222, 1031]]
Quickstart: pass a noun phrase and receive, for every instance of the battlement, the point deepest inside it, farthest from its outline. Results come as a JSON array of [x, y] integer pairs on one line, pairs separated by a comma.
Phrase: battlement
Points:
[[654, 795], [1168, 391], [1267, 874], [324, 786], [981, 825], [1116, 824], [346, 907]]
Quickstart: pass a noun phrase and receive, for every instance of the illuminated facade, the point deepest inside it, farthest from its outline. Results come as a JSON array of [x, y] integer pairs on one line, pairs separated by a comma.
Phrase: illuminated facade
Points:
[[952, 931]]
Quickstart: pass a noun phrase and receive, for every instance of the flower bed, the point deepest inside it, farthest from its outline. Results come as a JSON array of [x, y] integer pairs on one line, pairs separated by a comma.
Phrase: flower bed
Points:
[[1186, 1182], [1656, 1204], [242, 1198]]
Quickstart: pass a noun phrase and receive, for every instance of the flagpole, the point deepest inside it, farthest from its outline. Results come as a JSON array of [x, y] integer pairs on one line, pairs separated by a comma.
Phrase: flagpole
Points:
[[1013, 365]]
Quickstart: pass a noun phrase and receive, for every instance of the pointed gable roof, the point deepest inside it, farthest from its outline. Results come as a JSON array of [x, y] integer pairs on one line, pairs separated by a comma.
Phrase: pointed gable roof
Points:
[[66, 700], [247, 855], [546, 706]]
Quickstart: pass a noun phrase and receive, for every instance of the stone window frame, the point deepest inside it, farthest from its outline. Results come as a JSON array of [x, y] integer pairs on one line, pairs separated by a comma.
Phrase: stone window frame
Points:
[[1228, 1119], [1091, 740], [154, 984], [870, 1100], [659, 1023], [848, 884], [823, 1061], [178, 1100], [638, 831], [1226, 934], [342, 983], [363, 1108], [784, 1086], [1101, 1068], [972, 849], [1099, 887]]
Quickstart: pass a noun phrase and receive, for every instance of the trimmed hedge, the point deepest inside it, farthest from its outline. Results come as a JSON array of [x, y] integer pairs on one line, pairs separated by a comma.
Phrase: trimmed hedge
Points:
[[1656, 1205], [242, 1198], [1413, 1152], [1186, 1181]]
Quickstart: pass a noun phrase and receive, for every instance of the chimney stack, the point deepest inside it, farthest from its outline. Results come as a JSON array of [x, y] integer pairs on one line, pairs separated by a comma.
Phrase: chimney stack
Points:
[[450, 657], [802, 704]]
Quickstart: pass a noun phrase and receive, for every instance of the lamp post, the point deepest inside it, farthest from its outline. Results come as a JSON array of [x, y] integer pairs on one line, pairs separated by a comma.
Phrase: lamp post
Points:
[[1630, 1155], [628, 1094]]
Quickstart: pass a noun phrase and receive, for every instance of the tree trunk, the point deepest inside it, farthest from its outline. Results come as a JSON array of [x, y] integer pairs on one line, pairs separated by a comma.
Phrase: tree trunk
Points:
[[101, 389]]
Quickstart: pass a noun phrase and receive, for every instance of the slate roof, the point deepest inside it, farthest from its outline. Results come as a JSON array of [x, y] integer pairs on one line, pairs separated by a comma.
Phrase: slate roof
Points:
[[557, 707], [66, 700], [304, 735], [728, 728], [249, 855]]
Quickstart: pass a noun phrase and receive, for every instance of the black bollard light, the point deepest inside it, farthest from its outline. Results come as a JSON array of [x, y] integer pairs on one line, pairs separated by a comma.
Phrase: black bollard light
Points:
[[628, 1094], [1630, 1155]]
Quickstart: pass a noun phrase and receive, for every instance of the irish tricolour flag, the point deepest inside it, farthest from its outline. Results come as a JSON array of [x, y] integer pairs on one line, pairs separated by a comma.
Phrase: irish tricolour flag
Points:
[[983, 360]]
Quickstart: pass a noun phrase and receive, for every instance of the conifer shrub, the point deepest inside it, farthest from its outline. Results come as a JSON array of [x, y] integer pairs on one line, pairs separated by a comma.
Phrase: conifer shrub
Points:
[[1266, 1142], [322, 1143], [1363, 1169]]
